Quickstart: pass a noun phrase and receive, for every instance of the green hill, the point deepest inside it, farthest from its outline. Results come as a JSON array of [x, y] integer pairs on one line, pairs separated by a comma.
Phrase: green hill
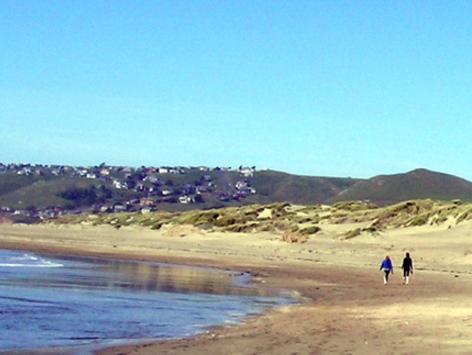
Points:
[[44, 193], [416, 184], [40, 191], [66, 188], [274, 186]]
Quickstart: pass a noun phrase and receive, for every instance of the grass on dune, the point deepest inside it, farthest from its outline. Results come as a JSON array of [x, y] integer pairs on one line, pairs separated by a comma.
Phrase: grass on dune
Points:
[[293, 222]]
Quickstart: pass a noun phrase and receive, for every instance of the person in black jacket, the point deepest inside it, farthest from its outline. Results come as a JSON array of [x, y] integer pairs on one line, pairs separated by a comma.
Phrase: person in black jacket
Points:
[[407, 267]]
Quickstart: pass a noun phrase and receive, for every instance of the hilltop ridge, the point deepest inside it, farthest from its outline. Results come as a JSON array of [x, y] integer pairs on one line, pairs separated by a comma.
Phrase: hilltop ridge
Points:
[[415, 184]]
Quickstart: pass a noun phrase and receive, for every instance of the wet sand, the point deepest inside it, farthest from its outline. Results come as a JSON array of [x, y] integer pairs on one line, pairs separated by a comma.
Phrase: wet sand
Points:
[[349, 309]]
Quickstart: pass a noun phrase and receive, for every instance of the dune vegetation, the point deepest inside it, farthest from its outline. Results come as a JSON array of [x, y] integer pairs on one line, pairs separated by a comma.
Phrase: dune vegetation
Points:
[[294, 223]]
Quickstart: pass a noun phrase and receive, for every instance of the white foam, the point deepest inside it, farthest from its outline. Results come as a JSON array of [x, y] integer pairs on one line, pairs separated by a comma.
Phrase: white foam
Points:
[[24, 257], [28, 260], [31, 265]]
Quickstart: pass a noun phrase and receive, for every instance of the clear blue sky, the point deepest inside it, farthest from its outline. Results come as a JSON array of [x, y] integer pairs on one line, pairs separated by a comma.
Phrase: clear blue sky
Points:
[[337, 88]]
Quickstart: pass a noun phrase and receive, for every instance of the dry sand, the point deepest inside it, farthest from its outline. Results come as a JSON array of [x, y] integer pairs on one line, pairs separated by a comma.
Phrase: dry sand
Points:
[[349, 310]]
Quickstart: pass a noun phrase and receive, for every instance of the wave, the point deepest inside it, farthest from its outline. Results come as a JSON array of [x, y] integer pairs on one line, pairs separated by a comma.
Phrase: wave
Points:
[[31, 265], [27, 260]]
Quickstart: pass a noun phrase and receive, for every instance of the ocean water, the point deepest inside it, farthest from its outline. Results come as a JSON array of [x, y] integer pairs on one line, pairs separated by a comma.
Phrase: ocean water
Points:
[[55, 302]]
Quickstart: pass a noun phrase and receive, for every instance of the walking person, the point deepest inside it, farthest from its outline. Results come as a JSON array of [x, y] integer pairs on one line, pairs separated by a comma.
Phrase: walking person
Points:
[[407, 267], [387, 268]]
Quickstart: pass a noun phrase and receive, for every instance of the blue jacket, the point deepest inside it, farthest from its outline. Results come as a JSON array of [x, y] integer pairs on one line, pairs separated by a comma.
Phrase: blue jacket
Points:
[[386, 264]]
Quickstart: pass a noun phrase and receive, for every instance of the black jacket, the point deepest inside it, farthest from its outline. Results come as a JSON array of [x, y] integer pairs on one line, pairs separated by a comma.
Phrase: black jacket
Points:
[[407, 264]]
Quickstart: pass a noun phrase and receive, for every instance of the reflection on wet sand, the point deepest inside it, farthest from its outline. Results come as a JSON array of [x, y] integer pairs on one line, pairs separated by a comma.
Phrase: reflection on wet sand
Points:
[[182, 279], [145, 276]]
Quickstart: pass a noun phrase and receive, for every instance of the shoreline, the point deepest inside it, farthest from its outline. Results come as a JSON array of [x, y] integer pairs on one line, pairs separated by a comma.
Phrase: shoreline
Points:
[[350, 310], [256, 280]]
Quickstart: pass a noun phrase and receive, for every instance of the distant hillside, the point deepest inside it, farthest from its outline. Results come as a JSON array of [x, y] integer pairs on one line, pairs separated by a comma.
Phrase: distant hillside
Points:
[[41, 191], [416, 184], [274, 186], [218, 189], [44, 193]]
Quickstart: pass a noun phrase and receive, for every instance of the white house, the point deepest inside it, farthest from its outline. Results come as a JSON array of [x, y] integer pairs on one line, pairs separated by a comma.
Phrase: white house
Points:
[[167, 192], [163, 170], [240, 185], [186, 199], [247, 172]]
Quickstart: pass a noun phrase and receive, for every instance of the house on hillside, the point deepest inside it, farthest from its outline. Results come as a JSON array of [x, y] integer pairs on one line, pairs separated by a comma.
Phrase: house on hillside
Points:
[[146, 210], [247, 171], [146, 202], [153, 179], [105, 209], [167, 192], [117, 184], [104, 172], [202, 189], [57, 171], [240, 185], [25, 172], [118, 207], [185, 199], [82, 172], [163, 170]]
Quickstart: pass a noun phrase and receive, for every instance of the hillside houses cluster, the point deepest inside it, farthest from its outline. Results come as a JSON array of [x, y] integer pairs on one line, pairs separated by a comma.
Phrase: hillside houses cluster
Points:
[[135, 189], [34, 213]]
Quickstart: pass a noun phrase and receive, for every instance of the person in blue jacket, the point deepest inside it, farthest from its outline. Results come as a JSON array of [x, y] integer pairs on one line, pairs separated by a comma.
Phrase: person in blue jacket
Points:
[[387, 268]]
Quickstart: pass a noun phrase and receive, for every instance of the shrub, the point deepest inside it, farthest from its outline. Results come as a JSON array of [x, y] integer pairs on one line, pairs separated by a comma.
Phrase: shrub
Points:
[[239, 228], [198, 218], [420, 220], [464, 216], [355, 206], [371, 229], [352, 233], [310, 230], [156, 225], [302, 219], [225, 221]]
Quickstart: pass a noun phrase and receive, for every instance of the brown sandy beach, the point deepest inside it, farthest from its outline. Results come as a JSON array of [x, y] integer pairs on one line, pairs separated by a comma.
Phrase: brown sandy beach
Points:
[[349, 311]]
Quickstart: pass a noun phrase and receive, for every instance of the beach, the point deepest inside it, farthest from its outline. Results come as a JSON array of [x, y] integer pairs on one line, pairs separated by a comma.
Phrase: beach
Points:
[[347, 309], [235, 177]]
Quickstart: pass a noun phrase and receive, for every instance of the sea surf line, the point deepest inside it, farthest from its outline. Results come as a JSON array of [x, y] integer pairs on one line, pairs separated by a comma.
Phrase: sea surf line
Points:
[[58, 302]]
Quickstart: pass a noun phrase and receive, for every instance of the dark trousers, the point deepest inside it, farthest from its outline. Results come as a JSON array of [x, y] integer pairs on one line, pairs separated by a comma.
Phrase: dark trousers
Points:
[[387, 272]]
